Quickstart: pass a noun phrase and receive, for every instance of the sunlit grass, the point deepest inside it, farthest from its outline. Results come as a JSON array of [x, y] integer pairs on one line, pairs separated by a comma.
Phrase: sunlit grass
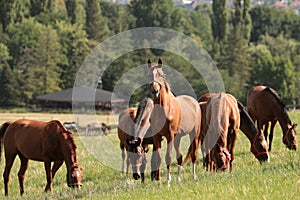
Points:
[[279, 179]]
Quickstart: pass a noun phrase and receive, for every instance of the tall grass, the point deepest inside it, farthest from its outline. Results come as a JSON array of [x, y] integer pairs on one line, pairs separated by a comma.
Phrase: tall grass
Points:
[[279, 179]]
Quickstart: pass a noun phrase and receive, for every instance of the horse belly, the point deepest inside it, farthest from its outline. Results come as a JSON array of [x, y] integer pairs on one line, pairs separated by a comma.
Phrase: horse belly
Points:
[[189, 114]]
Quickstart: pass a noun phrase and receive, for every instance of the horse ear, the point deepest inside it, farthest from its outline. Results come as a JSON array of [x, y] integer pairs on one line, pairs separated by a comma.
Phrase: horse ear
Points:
[[294, 126], [159, 63], [149, 63]]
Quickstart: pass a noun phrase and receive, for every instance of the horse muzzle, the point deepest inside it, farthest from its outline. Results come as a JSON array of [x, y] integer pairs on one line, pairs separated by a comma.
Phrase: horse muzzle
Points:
[[75, 186], [292, 147], [136, 176]]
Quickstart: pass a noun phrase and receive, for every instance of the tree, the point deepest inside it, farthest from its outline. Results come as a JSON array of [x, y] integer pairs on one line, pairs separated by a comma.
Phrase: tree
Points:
[[118, 17], [96, 26], [156, 13], [41, 6], [4, 55], [219, 20], [9, 91], [74, 42], [6, 13], [71, 9], [277, 72]]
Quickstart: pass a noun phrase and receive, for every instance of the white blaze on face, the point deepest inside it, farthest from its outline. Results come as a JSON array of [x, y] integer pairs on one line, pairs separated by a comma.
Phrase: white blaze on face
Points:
[[154, 74]]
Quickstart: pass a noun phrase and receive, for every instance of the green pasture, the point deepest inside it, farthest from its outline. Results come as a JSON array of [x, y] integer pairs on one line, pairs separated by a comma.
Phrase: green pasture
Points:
[[279, 179]]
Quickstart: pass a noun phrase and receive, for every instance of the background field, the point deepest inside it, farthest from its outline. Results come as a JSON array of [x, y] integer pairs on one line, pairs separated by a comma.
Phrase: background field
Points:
[[279, 179]]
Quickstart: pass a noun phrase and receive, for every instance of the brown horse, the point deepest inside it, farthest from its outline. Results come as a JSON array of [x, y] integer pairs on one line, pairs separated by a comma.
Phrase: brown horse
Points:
[[259, 147], [125, 129], [41, 141], [264, 106], [258, 143], [172, 117], [142, 136], [219, 130]]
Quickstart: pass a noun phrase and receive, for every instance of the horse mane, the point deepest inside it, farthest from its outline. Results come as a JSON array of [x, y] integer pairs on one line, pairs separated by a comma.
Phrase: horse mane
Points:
[[245, 117], [217, 113], [276, 96], [70, 136]]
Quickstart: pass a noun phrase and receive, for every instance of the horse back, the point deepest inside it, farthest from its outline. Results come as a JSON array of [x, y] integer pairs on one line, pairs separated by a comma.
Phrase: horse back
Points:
[[190, 113], [31, 138], [125, 123], [261, 104]]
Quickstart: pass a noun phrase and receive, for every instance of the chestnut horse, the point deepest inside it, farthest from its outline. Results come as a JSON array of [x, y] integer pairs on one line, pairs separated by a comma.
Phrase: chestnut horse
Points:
[[41, 141], [125, 130], [219, 130], [142, 136], [258, 142], [259, 147], [172, 117], [264, 106]]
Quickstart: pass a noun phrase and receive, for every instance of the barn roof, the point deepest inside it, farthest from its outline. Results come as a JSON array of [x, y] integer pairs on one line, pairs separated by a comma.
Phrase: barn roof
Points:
[[82, 94]]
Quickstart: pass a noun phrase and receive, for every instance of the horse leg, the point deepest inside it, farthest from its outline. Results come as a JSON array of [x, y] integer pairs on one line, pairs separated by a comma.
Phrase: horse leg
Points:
[[266, 131], [21, 173], [156, 158], [168, 158], [123, 159], [47, 166], [273, 123], [232, 141], [143, 168], [9, 160], [178, 156], [56, 166]]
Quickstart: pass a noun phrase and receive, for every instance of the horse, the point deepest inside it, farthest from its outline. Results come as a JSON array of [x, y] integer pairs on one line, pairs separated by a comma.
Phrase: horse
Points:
[[98, 126], [264, 106], [71, 126], [259, 147], [40, 141], [125, 129], [172, 117], [219, 130], [142, 136], [258, 142]]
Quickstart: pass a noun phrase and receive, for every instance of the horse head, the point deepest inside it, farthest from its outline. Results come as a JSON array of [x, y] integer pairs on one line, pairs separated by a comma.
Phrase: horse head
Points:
[[136, 154], [74, 176], [157, 77], [259, 147], [221, 157], [289, 139]]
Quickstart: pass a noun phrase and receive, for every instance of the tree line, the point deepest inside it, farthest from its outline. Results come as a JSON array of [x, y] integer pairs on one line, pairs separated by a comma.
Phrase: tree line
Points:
[[44, 42]]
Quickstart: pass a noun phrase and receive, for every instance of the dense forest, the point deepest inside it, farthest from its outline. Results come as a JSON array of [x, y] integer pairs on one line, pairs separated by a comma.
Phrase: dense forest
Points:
[[44, 42]]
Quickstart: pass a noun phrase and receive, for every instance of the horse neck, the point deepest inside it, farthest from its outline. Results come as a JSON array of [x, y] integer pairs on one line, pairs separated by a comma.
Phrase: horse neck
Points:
[[69, 152], [282, 117], [247, 126]]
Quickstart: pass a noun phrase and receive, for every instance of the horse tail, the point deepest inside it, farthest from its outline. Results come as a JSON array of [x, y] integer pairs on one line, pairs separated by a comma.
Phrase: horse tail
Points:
[[2, 131]]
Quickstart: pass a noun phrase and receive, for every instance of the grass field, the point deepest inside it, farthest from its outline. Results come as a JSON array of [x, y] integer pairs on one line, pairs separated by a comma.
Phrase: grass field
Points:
[[279, 179]]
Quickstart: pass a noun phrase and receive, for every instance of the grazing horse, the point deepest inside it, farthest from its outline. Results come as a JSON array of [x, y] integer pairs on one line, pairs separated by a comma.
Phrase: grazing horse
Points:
[[125, 129], [259, 146], [142, 136], [264, 106], [219, 130], [172, 117], [258, 142], [41, 141]]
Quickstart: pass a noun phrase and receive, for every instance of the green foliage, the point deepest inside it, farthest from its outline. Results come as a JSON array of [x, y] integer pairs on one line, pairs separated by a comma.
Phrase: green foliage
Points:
[[74, 45], [118, 17], [45, 42], [96, 26], [156, 13], [271, 21], [9, 91], [71, 10]]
